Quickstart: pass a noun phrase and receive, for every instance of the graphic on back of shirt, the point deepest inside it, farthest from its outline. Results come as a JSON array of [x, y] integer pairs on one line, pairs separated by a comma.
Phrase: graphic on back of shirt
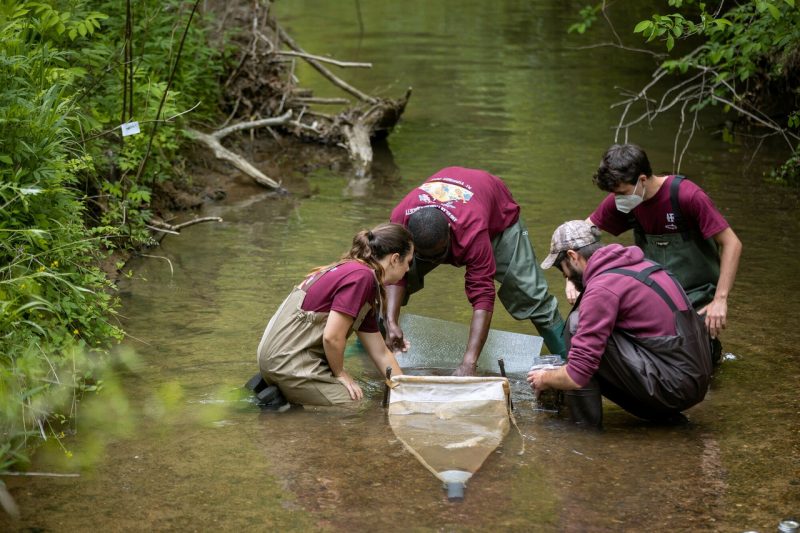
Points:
[[446, 192]]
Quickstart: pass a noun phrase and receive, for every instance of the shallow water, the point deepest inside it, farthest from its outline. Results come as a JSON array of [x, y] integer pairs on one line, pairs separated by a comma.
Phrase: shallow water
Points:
[[497, 85]]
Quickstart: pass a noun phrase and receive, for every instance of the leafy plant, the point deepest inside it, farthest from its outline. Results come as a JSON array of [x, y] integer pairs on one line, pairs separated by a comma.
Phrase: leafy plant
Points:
[[71, 188], [745, 60]]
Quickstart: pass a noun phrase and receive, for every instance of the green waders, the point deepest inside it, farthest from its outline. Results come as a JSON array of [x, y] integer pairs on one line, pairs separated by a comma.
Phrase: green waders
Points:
[[523, 289], [291, 354], [693, 260]]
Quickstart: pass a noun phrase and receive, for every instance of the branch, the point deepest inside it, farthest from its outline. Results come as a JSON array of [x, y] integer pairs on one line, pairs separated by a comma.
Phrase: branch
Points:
[[343, 64], [272, 121], [170, 228], [319, 67], [324, 101], [236, 160]]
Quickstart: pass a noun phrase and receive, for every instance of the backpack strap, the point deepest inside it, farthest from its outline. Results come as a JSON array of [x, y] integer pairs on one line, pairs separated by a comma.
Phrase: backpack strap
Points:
[[644, 277]]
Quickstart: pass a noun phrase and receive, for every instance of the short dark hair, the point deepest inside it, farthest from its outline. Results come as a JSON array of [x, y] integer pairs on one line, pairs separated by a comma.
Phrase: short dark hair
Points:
[[622, 163], [429, 227]]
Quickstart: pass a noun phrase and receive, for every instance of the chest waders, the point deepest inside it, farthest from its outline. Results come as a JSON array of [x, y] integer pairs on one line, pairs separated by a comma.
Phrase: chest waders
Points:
[[693, 260], [291, 354], [654, 378]]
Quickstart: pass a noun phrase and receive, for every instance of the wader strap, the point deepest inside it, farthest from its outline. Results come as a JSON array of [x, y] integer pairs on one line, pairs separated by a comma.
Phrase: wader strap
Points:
[[644, 277], [676, 208], [307, 284]]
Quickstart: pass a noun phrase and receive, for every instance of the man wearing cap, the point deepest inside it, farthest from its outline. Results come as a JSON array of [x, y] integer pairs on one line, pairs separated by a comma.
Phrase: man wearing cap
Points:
[[632, 336], [676, 224], [467, 217]]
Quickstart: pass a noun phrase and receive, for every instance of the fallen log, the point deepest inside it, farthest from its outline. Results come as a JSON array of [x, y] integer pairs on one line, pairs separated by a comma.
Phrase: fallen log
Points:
[[212, 141]]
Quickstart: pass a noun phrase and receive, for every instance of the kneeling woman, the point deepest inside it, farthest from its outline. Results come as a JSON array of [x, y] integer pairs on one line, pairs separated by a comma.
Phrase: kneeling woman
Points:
[[302, 349]]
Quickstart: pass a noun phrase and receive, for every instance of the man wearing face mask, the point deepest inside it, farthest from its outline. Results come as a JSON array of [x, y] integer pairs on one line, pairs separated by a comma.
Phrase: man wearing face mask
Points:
[[631, 337], [676, 224]]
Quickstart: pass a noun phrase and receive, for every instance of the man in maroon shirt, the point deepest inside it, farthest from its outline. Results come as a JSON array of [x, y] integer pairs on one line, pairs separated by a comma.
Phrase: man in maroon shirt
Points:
[[467, 217], [676, 224], [632, 336]]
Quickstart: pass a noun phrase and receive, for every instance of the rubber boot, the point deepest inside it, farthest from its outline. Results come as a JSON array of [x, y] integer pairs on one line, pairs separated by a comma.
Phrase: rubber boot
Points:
[[716, 351], [553, 338], [585, 406]]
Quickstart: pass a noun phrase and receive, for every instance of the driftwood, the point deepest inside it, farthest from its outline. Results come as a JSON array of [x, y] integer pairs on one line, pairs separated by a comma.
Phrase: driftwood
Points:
[[212, 140], [263, 84]]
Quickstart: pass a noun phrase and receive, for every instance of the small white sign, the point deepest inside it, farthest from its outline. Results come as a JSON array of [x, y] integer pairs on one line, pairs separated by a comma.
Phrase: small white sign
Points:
[[130, 128]]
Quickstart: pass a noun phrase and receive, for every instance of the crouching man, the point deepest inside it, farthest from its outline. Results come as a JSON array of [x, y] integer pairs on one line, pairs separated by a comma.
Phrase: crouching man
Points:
[[632, 335]]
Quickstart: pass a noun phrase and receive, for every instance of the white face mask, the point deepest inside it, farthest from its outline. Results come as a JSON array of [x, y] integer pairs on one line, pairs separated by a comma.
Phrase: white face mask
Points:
[[626, 202]]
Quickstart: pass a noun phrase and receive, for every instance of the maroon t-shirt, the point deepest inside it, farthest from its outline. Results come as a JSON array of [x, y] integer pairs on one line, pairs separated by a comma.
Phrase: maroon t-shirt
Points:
[[345, 288], [655, 214], [479, 207], [615, 301]]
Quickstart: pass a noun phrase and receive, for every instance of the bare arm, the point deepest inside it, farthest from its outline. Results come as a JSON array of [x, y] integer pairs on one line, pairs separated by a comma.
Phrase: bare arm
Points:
[[394, 334], [551, 379], [379, 353], [716, 312], [334, 339], [478, 331]]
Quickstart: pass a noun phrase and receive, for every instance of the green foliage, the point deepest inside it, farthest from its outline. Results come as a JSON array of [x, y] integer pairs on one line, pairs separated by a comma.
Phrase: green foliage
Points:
[[744, 52], [70, 189]]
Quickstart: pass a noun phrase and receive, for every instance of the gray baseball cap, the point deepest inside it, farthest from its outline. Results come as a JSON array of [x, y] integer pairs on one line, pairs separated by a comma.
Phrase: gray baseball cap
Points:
[[571, 236]]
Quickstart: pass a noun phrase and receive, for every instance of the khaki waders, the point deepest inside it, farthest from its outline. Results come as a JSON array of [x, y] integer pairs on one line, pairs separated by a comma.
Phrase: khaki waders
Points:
[[291, 354]]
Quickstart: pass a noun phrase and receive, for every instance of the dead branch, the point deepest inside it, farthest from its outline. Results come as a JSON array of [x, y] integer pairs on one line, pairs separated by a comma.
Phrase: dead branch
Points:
[[273, 121], [177, 227], [323, 101], [220, 152], [319, 67], [263, 83], [323, 59]]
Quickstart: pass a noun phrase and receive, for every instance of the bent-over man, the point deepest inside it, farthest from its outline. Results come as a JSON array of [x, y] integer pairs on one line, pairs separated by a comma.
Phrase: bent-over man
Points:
[[467, 217], [632, 336]]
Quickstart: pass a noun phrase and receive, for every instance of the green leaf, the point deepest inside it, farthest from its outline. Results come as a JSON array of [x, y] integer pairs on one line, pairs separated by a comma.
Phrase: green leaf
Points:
[[670, 42], [774, 11], [643, 25], [6, 159], [790, 2]]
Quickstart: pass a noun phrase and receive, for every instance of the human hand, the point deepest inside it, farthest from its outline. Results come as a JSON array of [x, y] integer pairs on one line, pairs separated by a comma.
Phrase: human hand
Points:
[[536, 381], [465, 369], [571, 292], [352, 387], [715, 316], [395, 340]]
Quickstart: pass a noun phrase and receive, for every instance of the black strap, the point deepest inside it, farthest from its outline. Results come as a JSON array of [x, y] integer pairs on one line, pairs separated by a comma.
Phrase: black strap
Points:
[[676, 207], [644, 277]]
